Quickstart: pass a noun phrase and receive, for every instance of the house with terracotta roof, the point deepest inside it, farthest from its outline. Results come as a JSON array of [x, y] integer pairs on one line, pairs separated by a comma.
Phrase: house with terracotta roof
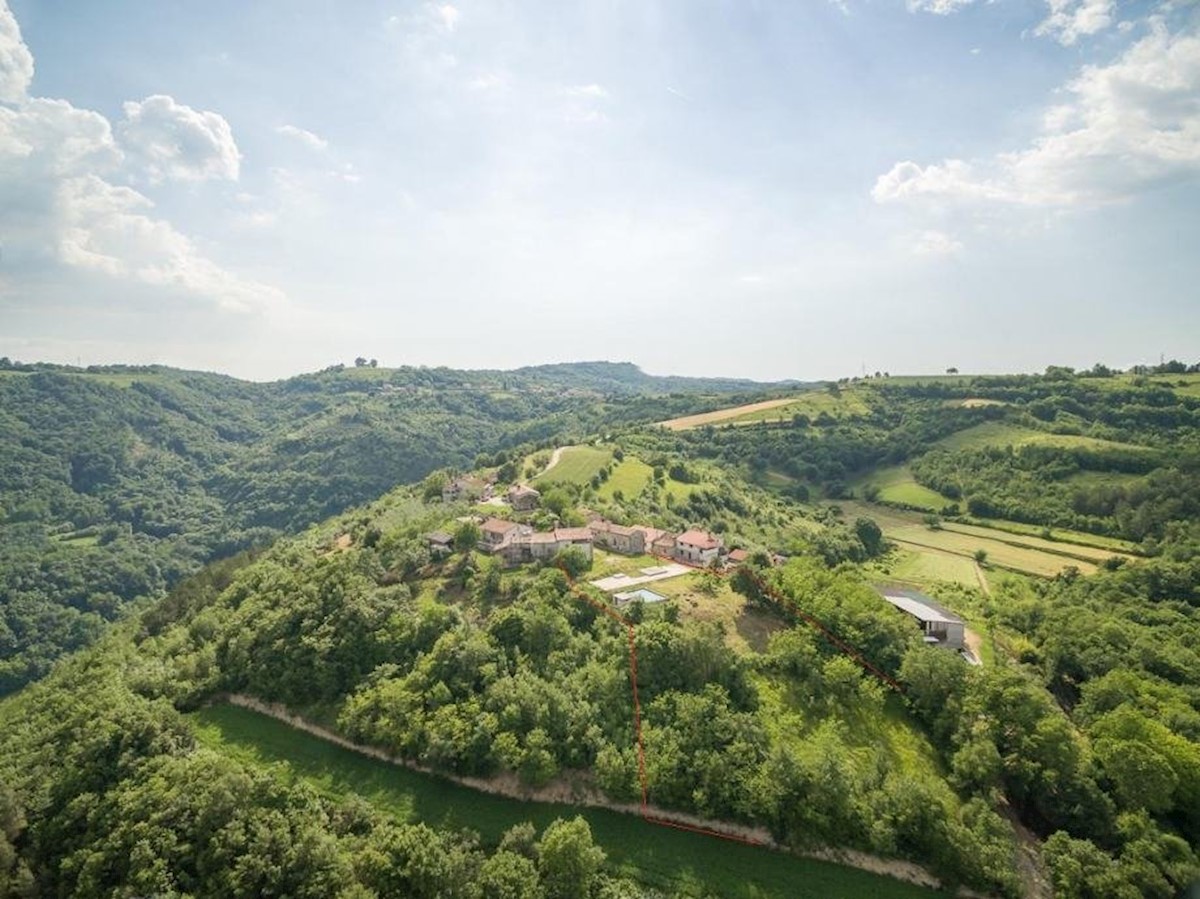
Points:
[[698, 547], [738, 556], [495, 532], [618, 538]]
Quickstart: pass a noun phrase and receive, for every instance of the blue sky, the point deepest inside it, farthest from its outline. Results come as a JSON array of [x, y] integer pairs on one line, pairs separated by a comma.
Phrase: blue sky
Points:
[[763, 189]]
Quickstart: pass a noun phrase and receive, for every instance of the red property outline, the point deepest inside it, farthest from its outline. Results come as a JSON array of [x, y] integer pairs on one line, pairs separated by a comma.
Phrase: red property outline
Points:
[[788, 605]]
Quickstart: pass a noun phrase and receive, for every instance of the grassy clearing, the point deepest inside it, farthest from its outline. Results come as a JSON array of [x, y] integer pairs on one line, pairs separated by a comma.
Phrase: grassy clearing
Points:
[[1001, 433], [78, 540], [1057, 535], [846, 404], [790, 720], [576, 465], [606, 564], [930, 566], [630, 477], [897, 485], [721, 415], [1072, 550], [747, 629], [689, 864]]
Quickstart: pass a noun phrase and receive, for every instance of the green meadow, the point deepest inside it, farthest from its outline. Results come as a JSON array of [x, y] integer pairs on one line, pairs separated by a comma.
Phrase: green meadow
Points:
[[688, 864]]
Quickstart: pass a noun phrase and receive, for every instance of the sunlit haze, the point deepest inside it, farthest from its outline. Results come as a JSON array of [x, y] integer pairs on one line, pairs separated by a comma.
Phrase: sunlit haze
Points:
[[756, 189]]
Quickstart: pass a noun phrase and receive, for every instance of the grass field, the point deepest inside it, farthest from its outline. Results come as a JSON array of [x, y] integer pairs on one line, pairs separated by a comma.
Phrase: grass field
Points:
[[630, 476], [1000, 433], [1030, 555], [1058, 535], [925, 567], [849, 402], [686, 863], [576, 465], [897, 485], [721, 415]]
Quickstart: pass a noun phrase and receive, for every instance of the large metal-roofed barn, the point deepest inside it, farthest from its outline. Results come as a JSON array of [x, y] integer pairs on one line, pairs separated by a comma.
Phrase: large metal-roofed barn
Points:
[[941, 626]]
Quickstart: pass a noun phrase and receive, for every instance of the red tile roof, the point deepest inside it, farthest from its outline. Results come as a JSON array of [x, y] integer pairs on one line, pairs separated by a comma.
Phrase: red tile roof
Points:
[[700, 539], [497, 526]]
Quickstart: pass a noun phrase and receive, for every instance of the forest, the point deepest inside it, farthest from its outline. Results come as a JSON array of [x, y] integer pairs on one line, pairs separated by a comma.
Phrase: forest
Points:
[[115, 482], [1078, 739]]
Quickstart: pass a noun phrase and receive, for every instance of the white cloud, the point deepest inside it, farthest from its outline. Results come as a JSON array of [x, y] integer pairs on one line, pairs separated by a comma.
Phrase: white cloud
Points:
[[936, 243], [16, 62], [65, 210], [1125, 128], [448, 15], [304, 136], [1071, 19], [172, 141], [937, 7], [105, 228]]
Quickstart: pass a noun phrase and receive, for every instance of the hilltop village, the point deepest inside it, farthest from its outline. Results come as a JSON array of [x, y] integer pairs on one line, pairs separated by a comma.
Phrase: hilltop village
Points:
[[515, 542]]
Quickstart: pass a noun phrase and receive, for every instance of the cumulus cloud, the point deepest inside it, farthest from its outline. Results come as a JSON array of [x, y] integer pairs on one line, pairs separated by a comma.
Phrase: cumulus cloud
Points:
[[1071, 19], [1126, 127], [68, 206], [16, 62], [304, 136], [172, 141], [106, 228], [1066, 20]]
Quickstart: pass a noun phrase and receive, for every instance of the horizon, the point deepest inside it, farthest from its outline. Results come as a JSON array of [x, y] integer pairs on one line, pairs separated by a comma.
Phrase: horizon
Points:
[[381, 367], [769, 191]]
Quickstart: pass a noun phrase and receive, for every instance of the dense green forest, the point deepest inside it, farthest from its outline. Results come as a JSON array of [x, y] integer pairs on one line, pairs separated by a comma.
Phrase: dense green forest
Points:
[[115, 482], [1077, 740]]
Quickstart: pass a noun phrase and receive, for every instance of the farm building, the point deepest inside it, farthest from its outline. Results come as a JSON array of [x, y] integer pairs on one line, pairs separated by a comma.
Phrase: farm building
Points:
[[523, 498], [649, 536], [496, 531], [618, 538], [439, 543], [466, 487], [941, 627], [664, 544], [738, 556], [697, 547], [523, 545]]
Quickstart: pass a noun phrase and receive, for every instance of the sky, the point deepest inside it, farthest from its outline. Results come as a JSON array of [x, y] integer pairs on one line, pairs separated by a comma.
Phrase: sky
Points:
[[742, 188]]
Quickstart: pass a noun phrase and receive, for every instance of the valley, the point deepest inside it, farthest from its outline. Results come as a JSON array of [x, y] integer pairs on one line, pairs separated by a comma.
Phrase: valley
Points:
[[439, 624]]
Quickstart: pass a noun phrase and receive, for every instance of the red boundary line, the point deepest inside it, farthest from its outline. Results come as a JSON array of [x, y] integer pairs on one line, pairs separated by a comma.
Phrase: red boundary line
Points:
[[787, 605]]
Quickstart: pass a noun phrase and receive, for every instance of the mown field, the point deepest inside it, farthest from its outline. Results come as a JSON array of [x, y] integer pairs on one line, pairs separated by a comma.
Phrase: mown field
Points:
[[685, 863], [630, 476], [897, 485], [1026, 554], [722, 415], [576, 465], [844, 404]]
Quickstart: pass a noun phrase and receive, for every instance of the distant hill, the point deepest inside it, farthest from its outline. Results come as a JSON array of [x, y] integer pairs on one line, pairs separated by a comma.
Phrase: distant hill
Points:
[[115, 481], [625, 377]]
